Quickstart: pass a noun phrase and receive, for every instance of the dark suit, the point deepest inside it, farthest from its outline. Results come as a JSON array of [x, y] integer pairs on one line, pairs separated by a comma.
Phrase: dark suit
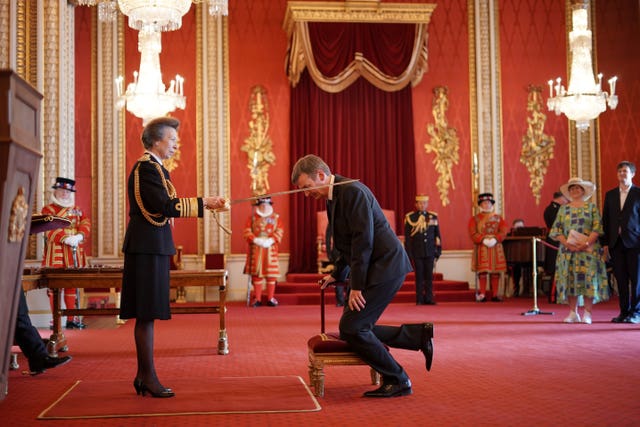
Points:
[[28, 338], [148, 242], [622, 236], [372, 254]]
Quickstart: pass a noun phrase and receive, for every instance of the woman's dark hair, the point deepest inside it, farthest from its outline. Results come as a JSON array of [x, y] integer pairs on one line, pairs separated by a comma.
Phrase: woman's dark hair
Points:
[[154, 130]]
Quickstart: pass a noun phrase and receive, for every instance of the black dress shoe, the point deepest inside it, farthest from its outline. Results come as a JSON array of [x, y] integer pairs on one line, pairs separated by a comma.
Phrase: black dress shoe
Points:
[[619, 318], [47, 362], [272, 302], [429, 303], [391, 390], [426, 344]]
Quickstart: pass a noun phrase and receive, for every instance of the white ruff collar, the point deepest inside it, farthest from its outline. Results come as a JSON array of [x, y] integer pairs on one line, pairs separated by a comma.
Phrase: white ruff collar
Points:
[[59, 202]]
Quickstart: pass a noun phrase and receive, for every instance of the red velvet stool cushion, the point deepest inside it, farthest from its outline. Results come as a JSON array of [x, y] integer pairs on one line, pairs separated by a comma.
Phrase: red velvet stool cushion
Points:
[[329, 343]]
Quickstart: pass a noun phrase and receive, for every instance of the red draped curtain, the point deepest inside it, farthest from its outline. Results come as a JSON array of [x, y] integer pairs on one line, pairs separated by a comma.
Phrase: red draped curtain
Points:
[[361, 131]]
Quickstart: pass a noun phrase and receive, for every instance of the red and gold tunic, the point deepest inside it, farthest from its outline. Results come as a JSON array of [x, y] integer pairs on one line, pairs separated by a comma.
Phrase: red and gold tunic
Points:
[[57, 254], [486, 259], [263, 262]]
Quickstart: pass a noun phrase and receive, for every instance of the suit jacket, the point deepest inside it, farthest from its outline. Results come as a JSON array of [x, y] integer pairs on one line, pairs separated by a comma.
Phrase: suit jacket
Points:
[[152, 201], [627, 220], [362, 238]]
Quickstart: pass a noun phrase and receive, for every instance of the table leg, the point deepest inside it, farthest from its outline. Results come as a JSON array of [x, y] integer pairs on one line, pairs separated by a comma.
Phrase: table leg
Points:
[[57, 340], [223, 344]]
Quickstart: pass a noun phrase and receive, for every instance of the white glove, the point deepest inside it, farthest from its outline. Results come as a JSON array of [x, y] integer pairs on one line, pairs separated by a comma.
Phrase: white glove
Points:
[[72, 240], [268, 242], [260, 241], [489, 242]]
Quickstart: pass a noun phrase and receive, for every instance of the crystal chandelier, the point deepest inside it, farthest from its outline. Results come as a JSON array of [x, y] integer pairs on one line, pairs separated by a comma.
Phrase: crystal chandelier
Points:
[[146, 97], [584, 100], [162, 15]]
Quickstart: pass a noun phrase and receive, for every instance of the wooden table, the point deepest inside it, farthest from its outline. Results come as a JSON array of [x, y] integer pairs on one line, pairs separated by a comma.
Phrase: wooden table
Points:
[[62, 278]]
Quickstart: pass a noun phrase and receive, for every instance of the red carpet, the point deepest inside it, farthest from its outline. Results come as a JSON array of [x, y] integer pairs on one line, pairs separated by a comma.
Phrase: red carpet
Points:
[[194, 396]]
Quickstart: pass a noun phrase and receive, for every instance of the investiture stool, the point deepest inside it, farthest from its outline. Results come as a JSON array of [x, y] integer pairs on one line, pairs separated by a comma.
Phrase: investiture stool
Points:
[[423, 245]]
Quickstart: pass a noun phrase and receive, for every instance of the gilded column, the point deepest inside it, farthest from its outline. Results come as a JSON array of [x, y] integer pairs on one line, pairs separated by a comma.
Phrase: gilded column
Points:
[[485, 95], [213, 123], [108, 139]]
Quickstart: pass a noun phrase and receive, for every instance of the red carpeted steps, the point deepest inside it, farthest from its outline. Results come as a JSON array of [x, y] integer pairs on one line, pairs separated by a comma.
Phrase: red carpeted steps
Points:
[[302, 288]]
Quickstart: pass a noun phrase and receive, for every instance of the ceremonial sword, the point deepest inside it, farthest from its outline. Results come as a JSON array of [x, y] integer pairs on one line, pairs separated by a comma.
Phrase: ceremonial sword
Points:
[[228, 204], [284, 193]]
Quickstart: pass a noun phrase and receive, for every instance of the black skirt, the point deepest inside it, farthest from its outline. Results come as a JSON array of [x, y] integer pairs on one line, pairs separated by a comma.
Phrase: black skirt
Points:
[[145, 287]]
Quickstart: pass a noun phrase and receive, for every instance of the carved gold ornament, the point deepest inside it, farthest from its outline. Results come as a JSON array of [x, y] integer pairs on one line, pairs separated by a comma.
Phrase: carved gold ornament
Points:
[[537, 147], [258, 145], [18, 217], [444, 143]]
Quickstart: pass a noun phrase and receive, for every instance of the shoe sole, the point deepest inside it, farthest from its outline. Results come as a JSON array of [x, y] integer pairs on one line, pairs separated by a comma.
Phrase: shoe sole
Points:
[[405, 392]]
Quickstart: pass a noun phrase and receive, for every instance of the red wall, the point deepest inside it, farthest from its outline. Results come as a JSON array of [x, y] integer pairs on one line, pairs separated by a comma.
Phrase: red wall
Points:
[[82, 123], [618, 52], [532, 45], [532, 51], [257, 47]]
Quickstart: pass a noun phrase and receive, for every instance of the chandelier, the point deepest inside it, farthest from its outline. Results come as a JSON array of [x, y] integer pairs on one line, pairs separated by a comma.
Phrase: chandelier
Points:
[[584, 100], [161, 15], [146, 97]]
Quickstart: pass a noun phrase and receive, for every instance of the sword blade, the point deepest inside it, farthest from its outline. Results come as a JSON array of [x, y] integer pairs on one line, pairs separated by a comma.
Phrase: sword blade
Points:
[[284, 193]]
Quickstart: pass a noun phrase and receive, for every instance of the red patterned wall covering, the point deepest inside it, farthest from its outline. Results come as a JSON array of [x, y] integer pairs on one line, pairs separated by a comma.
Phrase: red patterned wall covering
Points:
[[178, 56], [448, 66], [532, 48], [618, 52], [257, 50], [82, 123]]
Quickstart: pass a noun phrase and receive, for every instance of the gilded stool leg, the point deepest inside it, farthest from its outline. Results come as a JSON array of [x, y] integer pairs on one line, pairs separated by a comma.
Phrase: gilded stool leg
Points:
[[375, 377]]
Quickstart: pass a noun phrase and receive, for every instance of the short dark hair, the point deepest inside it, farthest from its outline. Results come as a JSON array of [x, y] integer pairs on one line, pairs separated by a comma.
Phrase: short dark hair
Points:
[[309, 165], [154, 130], [557, 194], [628, 164]]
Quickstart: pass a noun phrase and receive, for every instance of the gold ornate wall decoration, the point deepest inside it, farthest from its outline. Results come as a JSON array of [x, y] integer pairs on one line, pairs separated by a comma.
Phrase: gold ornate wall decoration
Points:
[[537, 147], [18, 217], [444, 143], [258, 145]]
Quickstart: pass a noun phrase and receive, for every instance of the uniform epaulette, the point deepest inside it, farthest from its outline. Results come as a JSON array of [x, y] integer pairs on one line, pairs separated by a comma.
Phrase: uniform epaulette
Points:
[[432, 213], [146, 157]]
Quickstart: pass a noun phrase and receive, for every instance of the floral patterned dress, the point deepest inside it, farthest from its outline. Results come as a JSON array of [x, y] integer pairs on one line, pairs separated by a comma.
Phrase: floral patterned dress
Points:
[[579, 273]]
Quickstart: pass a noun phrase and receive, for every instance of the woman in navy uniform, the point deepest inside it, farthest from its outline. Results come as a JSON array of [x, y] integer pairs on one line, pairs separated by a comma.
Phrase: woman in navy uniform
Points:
[[148, 244], [423, 245]]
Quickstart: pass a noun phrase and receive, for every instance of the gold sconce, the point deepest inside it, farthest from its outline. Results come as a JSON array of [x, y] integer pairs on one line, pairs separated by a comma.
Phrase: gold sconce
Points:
[[444, 143], [537, 147], [258, 145]]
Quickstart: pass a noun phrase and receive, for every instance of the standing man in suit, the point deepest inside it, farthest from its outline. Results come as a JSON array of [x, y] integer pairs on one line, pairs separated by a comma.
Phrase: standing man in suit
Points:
[[369, 250], [423, 245], [621, 223]]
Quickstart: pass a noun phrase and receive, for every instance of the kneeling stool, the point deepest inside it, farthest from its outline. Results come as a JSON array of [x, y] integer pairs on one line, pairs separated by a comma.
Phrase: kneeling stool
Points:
[[329, 349]]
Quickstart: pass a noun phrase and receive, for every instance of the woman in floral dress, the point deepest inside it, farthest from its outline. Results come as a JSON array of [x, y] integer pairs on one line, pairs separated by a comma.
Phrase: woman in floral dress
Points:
[[580, 271]]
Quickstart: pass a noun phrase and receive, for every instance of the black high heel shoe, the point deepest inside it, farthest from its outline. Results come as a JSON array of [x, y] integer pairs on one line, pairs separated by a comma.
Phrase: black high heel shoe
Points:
[[137, 384], [164, 392]]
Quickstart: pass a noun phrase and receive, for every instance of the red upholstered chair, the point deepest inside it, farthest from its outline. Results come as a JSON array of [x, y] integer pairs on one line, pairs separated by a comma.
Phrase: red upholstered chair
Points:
[[326, 349]]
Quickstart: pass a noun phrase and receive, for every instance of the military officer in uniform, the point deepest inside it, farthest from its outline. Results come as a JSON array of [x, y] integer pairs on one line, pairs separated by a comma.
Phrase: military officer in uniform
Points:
[[423, 244]]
